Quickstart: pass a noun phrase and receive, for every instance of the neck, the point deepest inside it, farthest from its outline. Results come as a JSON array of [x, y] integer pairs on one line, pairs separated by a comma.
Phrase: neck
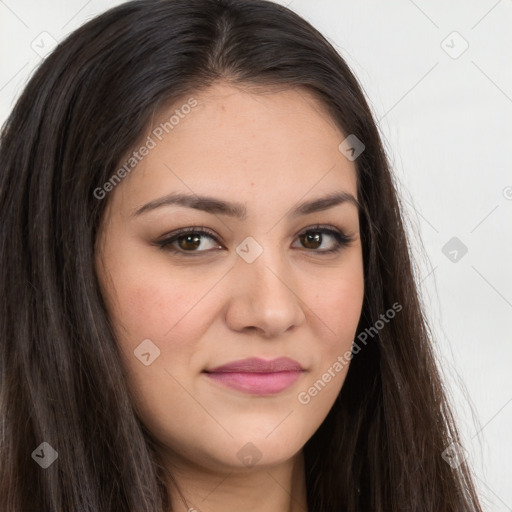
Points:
[[280, 488]]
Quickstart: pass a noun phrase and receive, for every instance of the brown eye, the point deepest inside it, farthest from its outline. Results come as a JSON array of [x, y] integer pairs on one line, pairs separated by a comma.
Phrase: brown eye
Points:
[[313, 239], [190, 241]]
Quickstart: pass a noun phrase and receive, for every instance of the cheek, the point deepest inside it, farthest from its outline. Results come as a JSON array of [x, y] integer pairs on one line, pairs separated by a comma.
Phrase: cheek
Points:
[[151, 307], [148, 296], [339, 306], [149, 302]]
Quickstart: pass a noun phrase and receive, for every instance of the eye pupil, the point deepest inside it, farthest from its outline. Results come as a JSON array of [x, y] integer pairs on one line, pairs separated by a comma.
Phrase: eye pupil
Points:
[[314, 238], [195, 240]]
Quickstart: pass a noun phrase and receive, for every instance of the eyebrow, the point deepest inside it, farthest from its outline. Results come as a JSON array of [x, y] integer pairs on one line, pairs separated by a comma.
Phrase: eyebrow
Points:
[[238, 210]]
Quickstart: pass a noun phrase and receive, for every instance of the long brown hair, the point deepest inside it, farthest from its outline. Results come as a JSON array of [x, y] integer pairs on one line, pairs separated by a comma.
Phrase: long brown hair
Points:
[[381, 446]]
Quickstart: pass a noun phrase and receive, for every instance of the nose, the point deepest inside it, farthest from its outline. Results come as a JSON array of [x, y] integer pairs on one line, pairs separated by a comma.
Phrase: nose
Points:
[[263, 296]]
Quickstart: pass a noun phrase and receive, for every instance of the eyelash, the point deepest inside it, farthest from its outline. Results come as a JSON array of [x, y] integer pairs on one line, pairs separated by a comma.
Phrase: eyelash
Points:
[[342, 240]]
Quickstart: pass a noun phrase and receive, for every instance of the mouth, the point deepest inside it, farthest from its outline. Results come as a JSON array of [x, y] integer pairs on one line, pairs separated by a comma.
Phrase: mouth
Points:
[[257, 376]]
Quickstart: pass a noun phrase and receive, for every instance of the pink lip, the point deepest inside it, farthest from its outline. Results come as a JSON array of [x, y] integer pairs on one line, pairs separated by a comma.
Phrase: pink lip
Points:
[[258, 376]]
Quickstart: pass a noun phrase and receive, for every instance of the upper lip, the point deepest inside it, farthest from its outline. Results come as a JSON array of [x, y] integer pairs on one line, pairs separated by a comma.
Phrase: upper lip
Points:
[[258, 365]]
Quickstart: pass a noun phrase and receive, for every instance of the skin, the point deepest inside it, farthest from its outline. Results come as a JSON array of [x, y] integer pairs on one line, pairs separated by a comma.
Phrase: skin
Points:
[[269, 151]]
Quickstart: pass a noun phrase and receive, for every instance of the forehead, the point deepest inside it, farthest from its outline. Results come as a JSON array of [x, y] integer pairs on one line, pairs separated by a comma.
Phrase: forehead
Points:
[[279, 144]]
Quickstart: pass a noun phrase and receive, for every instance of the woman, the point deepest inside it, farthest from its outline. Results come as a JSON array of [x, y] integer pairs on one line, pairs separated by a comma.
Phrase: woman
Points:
[[211, 304]]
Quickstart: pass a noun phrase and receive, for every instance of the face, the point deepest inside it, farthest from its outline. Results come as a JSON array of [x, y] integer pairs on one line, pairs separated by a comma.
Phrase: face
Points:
[[233, 313]]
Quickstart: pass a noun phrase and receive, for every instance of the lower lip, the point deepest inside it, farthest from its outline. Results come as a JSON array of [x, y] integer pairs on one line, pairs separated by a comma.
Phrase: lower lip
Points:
[[257, 383]]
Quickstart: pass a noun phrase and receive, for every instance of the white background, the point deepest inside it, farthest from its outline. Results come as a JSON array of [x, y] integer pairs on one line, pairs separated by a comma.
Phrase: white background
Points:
[[447, 126]]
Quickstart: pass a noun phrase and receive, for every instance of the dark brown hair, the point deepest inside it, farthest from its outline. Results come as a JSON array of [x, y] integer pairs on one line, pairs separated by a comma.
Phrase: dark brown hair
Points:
[[379, 449]]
